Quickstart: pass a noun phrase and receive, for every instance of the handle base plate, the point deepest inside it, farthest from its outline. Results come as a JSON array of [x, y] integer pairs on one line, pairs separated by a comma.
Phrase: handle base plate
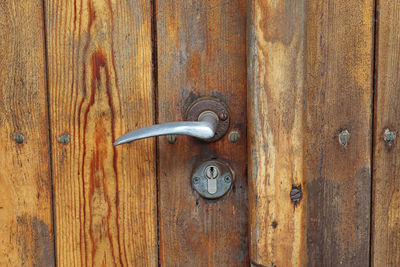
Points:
[[215, 105]]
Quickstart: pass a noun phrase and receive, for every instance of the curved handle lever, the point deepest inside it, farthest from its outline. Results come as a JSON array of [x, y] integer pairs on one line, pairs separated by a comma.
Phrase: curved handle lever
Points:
[[203, 129]]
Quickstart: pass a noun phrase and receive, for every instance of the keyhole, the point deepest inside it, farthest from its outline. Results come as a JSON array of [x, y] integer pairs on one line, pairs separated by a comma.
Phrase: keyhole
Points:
[[211, 172]]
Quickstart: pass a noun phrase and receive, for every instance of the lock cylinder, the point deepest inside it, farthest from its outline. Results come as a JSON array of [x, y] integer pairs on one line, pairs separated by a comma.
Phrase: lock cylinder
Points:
[[212, 179]]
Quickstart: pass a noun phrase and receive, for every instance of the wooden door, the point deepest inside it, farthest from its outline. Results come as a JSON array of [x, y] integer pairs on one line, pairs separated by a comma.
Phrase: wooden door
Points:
[[314, 161]]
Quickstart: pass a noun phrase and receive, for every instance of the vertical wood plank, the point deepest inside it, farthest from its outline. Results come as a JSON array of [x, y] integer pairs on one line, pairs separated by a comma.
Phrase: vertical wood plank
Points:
[[330, 225], [100, 82], [201, 52], [386, 173], [339, 58], [276, 127], [26, 231]]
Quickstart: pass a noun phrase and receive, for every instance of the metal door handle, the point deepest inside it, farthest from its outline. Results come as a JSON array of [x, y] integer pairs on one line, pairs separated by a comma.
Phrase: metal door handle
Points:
[[207, 118], [203, 129]]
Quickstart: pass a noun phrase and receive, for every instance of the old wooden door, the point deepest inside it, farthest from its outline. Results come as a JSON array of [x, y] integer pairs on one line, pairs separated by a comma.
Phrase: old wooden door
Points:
[[314, 163]]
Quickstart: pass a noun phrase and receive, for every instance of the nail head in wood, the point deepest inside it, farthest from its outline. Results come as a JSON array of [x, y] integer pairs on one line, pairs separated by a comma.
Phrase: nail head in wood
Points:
[[234, 136], [19, 138], [171, 138], [64, 139], [296, 194], [389, 136], [344, 137]]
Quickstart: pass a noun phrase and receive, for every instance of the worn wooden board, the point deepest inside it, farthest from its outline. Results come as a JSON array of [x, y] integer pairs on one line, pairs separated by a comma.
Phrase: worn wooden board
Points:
[[386, 173], [26, 231], [276, 127], [339, 67], [100, 83], [201, 52], [330, 43]]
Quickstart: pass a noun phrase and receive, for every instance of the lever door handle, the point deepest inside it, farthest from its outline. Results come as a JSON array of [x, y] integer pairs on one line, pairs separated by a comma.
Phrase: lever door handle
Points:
[[207, 119], [203, 129]]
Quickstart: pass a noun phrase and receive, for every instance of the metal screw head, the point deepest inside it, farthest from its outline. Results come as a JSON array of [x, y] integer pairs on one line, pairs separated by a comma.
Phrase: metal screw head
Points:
[[223, 116], [227, 179], [196, 180], [171, 138], [64, 139], [19, 138], [389, 136], [234, 136], [344, 137]]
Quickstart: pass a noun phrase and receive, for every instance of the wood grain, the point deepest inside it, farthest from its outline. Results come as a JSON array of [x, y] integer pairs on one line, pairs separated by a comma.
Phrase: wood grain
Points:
[[386, 173], [276, 127], [310, 78], [26, 231], [100, 83], [339, 98], [201, 52]]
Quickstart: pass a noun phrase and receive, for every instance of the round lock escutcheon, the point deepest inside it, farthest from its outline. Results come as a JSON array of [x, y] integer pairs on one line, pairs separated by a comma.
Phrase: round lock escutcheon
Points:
[[212, 179]]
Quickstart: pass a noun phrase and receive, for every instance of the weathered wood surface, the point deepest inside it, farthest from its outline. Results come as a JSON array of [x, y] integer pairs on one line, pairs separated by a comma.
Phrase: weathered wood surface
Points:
[[310, 78], [26, 231], [201, 52], [275, 131], [386, 172], [100, 87], [339, 98]]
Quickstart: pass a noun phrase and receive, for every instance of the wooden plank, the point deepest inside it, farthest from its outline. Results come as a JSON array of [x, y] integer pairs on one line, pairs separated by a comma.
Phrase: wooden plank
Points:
[[330, 44], [340, 37], [386, 173], [276, 128], [201, 52], [100, 82], [26, 231]]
